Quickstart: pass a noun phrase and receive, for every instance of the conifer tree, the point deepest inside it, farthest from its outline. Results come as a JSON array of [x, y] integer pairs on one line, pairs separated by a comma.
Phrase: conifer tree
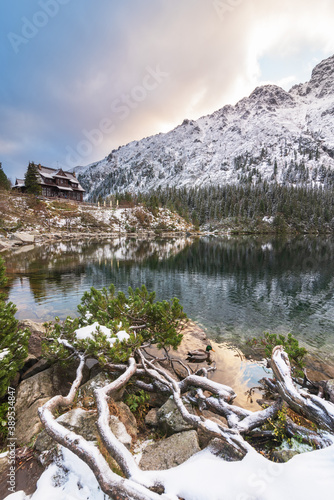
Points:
[[31, 179], [4, 181]]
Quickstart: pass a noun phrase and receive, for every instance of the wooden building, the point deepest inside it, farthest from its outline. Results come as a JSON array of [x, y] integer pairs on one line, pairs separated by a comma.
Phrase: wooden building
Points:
[[56, 183]]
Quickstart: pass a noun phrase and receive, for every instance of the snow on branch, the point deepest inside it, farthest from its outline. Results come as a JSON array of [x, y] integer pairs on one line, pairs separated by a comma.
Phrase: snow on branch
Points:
[[313, 407]]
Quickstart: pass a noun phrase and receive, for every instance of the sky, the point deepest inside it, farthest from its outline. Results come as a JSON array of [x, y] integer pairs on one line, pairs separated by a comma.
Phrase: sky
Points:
[[80, 78]]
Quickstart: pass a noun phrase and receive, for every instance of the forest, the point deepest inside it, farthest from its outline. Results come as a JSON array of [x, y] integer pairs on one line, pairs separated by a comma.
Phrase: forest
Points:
[[284, 208]]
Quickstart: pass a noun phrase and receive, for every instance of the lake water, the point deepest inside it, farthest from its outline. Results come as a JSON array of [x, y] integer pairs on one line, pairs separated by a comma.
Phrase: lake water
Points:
[[235, 288]]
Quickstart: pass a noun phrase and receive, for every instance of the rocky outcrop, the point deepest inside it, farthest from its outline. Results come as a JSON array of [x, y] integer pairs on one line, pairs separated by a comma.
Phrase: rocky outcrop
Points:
[[33, 393], [23, 238]]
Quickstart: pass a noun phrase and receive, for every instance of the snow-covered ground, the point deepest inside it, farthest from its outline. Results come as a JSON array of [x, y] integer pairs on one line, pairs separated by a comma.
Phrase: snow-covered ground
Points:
[[205, 477]]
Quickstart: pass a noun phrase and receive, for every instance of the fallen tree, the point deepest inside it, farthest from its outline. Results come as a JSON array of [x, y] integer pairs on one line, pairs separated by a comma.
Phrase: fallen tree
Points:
[[118, 331]]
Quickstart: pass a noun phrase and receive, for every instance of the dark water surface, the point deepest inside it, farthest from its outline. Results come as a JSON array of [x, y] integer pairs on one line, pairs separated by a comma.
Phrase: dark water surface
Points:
[[234, 287]]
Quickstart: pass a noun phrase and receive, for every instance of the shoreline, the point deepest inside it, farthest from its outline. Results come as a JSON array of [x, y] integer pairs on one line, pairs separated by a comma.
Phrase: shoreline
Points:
[[234, 367]]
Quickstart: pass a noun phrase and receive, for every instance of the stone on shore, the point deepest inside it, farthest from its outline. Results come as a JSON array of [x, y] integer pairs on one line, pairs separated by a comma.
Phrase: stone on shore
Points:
[[170, 452], [171, 420]]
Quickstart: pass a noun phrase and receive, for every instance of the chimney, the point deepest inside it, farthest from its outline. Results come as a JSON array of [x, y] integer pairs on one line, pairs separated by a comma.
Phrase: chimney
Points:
[[39, 166]]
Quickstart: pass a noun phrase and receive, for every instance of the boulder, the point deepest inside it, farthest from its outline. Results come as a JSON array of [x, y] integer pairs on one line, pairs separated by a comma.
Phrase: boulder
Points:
[[118, 428], [170, 452], [28, 423], [24, 238], [151, 419], [38, 367], [3, 464], [4, 245], [33, 392], [40, 386], [170, 419], [205, 437], [37, 335], [329, 390], [283, 455], [223, 449], [78, 420], [82, 422], [127, 418], [86, 391]]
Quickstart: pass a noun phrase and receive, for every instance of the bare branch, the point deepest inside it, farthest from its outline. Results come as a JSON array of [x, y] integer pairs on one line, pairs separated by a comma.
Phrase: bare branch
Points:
[[111, 484], [314, 408]]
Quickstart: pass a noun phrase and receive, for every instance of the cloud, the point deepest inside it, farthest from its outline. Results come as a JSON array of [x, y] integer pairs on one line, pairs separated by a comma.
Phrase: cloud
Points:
[[65, 80]]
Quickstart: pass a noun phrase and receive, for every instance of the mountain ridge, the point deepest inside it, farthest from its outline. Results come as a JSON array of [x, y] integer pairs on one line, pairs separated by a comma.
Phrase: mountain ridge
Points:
[[272, 135]]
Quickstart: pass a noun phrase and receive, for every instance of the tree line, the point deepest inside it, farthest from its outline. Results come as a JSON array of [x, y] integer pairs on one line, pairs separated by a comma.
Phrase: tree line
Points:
[[285, 207]]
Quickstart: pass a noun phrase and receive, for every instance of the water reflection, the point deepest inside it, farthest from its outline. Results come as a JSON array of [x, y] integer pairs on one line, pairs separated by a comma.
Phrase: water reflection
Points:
[[235, 287]]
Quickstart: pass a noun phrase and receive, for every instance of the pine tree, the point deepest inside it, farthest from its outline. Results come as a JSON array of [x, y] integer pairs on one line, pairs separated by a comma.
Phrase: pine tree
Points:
[[31, 179], [4, 181], [13, 342]]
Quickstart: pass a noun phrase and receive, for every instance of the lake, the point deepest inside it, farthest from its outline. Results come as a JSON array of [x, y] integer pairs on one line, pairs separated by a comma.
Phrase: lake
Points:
[[235, 287]]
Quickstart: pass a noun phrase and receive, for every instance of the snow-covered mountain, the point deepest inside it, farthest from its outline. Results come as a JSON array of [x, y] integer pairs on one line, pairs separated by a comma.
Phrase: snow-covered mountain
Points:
[[273, 135]]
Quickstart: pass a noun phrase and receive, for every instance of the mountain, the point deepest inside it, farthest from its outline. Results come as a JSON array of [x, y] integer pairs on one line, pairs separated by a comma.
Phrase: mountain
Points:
[[272, 135]]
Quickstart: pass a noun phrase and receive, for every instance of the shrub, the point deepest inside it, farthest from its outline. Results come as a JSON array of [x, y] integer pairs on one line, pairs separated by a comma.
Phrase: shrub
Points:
[[291, 346], [144, 319]]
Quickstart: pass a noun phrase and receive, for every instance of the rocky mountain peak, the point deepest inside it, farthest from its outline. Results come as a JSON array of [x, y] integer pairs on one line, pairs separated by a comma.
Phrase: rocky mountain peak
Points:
[[322, 79], [271, 95], [272, 135]]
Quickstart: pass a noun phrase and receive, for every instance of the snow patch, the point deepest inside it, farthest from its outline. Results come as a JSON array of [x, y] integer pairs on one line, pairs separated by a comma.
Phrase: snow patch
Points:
[[86, 332]]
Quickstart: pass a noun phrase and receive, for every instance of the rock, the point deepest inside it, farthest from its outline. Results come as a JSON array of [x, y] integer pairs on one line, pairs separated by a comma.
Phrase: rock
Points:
[[82, 422], [157, 399], [221, 448], [127, 418], [170, 452], [86, 391], [3, 465], [33, 393], [170, 419], [151, 418], [205, 437], [38, 367], [118, 428], [39, 386], [329, 390], [30, 361], [283, 455], [24, 238], [28, 423], [37, 335], [4, 245], [78, 420]]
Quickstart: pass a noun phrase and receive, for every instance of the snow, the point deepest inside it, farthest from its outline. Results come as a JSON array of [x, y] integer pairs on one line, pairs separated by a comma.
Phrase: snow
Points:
[[86, 332], [205, 477], [122, 335], [69, 479], [3, 353]]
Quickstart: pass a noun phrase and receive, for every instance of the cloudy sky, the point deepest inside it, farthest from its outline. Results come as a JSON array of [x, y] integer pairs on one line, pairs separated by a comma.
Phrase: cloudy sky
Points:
[[80, 78]]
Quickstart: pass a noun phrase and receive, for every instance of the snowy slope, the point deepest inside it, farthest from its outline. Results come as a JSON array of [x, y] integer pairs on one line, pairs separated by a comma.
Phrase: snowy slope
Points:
[[272, 135]]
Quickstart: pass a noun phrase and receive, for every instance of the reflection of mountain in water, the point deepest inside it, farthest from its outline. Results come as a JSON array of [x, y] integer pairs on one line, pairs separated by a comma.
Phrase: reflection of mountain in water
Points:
[[235, 287]]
